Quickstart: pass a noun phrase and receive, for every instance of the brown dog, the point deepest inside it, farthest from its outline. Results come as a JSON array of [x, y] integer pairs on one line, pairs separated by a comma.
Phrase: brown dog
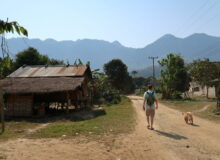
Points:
[[188, 117]]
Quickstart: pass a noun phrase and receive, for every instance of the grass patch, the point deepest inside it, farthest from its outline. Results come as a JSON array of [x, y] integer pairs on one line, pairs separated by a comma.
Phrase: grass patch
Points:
[[195, 105], [185, 106], [209, 114], [16, 129], [118, 118]]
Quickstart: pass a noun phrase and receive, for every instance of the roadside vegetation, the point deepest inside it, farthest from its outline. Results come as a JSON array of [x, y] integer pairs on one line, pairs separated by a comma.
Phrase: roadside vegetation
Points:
[[30, 56], [16, 129], [198, 105], [111, 119], [205, 73], [174, 78], [114, 119], [113, 82]]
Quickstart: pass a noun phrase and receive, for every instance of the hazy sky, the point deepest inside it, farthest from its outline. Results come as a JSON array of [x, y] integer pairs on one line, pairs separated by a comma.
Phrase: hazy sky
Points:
[[134, 23]]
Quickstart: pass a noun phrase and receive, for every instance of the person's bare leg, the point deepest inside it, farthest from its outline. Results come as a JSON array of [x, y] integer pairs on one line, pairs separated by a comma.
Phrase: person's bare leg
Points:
[[148, 118], [152, 119], [148, 123]]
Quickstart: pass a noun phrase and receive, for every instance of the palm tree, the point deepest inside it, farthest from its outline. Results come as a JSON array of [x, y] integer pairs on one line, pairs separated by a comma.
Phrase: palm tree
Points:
[[134, 73]]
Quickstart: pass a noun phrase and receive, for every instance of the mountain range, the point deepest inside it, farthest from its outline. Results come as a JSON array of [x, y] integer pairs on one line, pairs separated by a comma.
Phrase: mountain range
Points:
[[99, 52]]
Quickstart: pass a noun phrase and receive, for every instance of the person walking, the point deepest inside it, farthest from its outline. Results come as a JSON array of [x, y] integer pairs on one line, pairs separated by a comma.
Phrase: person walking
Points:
[[150, 100]]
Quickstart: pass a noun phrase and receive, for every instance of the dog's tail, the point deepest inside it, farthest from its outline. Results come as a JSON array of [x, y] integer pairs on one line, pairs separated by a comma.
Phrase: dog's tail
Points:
[[189, 113]]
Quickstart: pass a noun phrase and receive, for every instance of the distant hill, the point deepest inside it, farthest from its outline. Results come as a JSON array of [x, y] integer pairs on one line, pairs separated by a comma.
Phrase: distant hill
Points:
[[191, 47], [99, 52]]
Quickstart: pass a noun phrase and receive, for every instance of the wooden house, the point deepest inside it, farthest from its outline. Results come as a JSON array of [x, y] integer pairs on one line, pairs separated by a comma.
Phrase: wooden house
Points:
[[32, 89]]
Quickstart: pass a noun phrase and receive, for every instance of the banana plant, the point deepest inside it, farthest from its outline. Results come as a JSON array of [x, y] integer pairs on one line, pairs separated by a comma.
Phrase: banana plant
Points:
[[8, 27]]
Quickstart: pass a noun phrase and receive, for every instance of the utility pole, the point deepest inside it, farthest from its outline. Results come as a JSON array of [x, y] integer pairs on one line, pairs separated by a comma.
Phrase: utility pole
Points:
[[153, 58]]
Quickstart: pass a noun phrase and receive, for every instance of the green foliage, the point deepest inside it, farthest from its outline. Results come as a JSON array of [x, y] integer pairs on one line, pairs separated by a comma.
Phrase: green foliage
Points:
[[134, 73], [203, 72], [118, 76], [88, 63], [16, 129], [118, 119], [175, 77], [78, 62], [218, 70], [177, 95], [11, 27], [129, 86], [53, 61], [103, 92], [142, 81], [6, 67], [218, 96], [31, 56]]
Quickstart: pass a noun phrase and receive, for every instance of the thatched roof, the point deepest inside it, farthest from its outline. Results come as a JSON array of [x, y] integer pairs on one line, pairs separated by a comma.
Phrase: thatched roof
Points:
[[40, 85]]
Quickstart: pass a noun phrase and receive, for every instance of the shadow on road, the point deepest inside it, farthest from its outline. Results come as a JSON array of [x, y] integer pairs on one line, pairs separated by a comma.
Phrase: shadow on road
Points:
[[73, 115], [195, 125], [170, 135]]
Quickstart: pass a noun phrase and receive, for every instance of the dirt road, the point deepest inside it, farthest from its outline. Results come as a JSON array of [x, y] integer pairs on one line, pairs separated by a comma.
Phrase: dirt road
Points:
[[171, 140], [181, 141]]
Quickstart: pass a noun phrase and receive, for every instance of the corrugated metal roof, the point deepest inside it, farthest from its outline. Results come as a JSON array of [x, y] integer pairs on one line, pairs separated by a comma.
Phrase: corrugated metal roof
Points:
[[40, 85], [49, 71]]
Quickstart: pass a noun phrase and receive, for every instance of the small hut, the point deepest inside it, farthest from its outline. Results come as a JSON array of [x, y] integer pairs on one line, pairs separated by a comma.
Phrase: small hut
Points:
[[30, 90]]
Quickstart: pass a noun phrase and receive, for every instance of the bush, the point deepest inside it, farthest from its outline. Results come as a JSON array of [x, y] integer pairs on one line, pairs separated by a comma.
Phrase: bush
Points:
[[112, 97], [158, 90], [107, 97], [177, 95]]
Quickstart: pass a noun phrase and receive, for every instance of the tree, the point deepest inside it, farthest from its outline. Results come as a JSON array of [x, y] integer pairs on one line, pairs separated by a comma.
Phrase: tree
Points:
[[142, 81], [102, 89], [174, 78], [30, 56], [8, 27], [6, 67], [129, 85], [118, 75], [204, 72], [6, 63], [78, 62], [56, 62], [11, 27], [134, 73]]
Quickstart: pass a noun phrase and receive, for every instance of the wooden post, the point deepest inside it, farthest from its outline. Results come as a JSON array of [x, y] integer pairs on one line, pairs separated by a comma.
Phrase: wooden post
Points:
[[2, 106], [68, 102]]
